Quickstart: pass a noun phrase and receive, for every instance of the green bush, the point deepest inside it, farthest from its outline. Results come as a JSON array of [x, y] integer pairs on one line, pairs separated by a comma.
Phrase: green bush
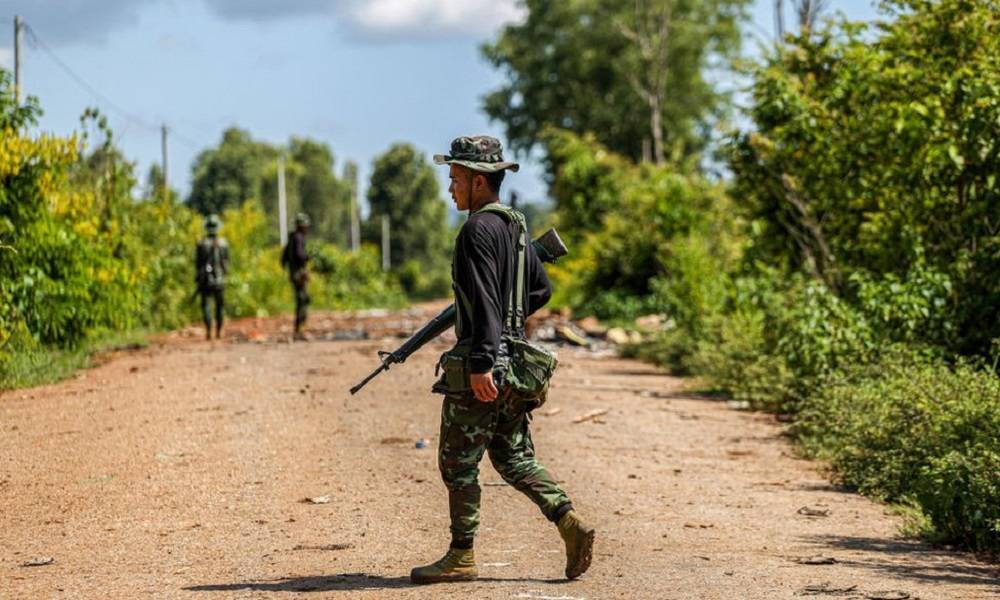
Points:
[[347, 281], [909, 428]]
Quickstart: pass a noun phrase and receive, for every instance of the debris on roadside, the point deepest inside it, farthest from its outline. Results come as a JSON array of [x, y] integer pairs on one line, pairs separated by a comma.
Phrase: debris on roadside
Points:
[[591, 415], [618, 336], [41, 561], [816, 560], [809, 511], [566, 332], [592, 327], [552, 412], [826, 589], [888, 595], [316, 500], [326, 547]]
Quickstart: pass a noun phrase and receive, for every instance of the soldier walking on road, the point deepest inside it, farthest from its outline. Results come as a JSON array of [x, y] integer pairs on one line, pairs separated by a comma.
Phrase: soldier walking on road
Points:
[[479, 416], [296, 259], [211, 262]]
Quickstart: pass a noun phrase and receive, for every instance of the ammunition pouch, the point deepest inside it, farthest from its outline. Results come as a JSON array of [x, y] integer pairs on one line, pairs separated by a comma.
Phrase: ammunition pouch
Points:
[[527, 370], [453, 371]]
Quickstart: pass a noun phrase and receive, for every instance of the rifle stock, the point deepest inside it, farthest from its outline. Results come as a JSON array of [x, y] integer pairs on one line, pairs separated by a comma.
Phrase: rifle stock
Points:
[[548, 247]]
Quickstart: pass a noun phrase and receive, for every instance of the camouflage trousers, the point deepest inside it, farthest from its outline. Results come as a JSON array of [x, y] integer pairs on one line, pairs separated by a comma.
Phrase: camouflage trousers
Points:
[[470, 428], [218, 296], [301, 304]]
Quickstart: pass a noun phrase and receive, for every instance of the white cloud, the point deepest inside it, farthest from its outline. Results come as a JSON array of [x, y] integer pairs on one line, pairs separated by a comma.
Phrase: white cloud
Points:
[[433, 17], [6, 58]]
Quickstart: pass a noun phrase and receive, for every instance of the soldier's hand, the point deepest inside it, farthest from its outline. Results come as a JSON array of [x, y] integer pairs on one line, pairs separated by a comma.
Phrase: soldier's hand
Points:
[[482, 386]]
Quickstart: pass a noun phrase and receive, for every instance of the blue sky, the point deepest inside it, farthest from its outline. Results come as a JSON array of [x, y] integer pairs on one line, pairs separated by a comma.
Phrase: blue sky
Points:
[[357, 74]]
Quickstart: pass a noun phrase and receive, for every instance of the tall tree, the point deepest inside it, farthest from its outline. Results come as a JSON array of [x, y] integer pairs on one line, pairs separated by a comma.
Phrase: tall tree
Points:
[[875, 151], [311, 186], [634, 73], [404, 188], [231, 174]]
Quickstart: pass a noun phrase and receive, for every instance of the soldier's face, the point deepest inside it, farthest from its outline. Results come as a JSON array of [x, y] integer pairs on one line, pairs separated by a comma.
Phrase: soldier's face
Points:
[[459, 187]]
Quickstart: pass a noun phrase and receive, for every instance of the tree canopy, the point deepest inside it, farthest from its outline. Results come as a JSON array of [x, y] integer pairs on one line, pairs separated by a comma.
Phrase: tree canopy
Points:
[[632, 73], [242, 169], [879, 155], [404, 188]]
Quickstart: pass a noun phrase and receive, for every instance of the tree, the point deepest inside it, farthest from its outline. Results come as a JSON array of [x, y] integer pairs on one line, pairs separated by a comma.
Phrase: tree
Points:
[[231, 174], [631, 72], [404, 188], [321, 194], [877, 154]]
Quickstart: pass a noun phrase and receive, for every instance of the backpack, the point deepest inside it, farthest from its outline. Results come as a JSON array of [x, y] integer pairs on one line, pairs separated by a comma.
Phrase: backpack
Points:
[[211, 271]]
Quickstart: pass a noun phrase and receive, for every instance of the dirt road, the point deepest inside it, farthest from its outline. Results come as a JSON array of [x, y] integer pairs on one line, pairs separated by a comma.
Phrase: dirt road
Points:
[[179, 471]]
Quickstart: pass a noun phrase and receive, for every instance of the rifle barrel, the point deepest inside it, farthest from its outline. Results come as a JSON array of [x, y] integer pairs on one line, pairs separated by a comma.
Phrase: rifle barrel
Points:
[[383, 367]]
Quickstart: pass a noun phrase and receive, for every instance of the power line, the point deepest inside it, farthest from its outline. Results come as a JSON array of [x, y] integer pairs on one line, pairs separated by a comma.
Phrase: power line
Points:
[[83, 83], [114, 106]]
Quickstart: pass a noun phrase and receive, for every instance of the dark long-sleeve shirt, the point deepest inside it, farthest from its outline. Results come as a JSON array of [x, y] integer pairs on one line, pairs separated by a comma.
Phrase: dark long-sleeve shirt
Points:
[[295, 254], [483, 272]]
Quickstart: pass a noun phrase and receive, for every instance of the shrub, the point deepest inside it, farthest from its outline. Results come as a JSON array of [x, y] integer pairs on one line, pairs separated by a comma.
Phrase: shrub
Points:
[[909, 428]]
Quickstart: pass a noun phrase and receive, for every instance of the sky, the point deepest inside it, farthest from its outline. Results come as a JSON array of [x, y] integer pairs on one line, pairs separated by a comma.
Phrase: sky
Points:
[[359, 75]]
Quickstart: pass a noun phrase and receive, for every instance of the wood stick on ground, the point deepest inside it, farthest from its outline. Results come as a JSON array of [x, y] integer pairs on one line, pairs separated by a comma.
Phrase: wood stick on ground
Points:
[[592, 415]]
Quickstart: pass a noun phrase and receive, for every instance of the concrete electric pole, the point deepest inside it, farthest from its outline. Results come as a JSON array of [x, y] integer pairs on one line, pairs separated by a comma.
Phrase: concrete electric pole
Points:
[[18, 25]]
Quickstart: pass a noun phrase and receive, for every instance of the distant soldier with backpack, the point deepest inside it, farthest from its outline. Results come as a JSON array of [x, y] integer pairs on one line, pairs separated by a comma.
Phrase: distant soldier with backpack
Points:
[[295, 258], [211, 260]]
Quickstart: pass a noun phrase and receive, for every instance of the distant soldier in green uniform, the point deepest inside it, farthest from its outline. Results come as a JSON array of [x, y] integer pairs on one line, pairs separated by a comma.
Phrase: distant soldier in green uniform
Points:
[[211, 261], [478, 415], [296, 259]]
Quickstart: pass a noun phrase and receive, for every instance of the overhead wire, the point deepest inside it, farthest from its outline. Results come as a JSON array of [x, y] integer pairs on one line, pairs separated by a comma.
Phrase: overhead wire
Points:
[[104, 99]]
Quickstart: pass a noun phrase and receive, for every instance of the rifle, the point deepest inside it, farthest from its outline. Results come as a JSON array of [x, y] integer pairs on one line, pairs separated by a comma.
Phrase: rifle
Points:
[[548, 247]]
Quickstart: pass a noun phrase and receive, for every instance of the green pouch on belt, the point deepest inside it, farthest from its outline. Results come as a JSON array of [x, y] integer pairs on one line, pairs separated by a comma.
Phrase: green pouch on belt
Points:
[[453, 368]]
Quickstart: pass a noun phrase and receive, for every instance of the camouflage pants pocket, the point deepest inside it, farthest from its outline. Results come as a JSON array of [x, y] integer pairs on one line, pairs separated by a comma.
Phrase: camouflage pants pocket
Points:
[[466, 429]]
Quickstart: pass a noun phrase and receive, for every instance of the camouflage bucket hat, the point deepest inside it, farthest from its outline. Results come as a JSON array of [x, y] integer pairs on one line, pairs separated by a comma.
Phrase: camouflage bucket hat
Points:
[[301, 219], [478, 152]]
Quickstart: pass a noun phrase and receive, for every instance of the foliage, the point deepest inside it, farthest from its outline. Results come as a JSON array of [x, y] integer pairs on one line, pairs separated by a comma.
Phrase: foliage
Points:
[[312, 187], [59, 273], [644, 238], [350, 281], [869, 145], [84, 259], [404, 188], [910, 429], [227, 176], [597, 65], [242, 169]]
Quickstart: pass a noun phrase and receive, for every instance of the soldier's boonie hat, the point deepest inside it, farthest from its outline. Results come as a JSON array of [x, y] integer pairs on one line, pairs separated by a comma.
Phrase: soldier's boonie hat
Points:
[[478, 152], [301, 219], [212, 223]]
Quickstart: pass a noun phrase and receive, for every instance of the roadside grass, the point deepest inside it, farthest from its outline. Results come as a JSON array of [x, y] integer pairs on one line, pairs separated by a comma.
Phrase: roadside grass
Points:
[[43, 365]]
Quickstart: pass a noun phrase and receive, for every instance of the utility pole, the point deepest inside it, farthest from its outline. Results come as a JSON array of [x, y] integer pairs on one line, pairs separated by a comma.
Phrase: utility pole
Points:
[[163, 150], [779, 19], [18, 25], [282, 205], [385, 243], [351, 172]]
